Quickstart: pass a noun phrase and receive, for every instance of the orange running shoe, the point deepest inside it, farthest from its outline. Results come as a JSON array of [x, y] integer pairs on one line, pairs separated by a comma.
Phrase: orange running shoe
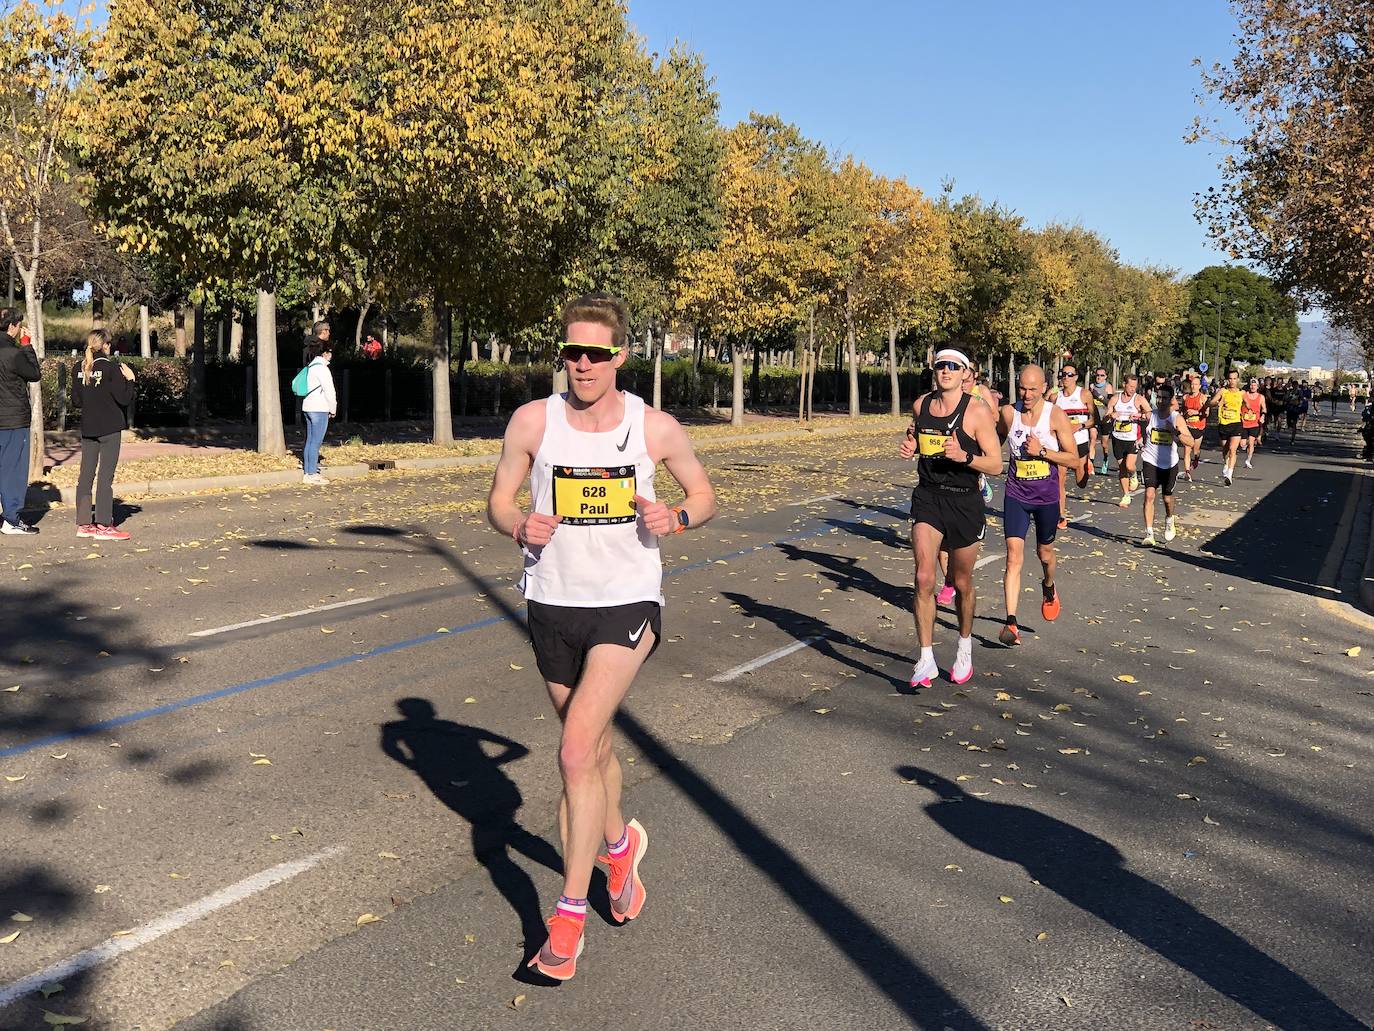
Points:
[[1010, 635], [1049, 604], [558, 957], [623, 885]]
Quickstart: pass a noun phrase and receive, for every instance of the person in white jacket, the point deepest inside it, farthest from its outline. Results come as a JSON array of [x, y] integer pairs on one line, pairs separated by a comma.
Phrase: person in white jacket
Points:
[[319, 406]]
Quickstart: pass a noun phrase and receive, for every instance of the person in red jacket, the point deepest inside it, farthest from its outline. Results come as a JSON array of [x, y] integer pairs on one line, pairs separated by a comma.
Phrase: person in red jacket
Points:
[[103, 386]]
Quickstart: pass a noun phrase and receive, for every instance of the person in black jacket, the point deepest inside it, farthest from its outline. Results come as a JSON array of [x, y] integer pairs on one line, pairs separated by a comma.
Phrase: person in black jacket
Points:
[[103, 387], [18, 368]]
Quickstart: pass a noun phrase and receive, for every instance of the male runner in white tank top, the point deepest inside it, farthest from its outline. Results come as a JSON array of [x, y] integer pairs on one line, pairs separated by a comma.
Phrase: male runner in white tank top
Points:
[[593, 584]]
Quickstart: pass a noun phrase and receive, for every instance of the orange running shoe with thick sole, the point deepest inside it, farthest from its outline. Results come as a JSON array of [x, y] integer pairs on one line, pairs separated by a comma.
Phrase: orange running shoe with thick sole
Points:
[[623, 885], [1049, 607], [558, 956]]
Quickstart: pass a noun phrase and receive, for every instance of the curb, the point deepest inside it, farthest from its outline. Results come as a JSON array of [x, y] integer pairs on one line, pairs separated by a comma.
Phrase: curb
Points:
[[38, 497]]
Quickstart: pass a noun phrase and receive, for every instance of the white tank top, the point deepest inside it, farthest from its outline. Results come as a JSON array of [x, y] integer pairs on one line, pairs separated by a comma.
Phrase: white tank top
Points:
[[1161, 450], [600, 555], [1122, 411], [1077, 408], [1020, 432]]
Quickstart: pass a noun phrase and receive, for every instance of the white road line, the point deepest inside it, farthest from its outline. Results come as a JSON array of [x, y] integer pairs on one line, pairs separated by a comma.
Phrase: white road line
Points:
[[986, 560], [764, 660], [812, 501], [284, 615], [173, 921]]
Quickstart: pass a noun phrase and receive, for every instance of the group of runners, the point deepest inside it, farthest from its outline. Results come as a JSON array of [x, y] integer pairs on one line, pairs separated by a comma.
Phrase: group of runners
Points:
[[589, 540]]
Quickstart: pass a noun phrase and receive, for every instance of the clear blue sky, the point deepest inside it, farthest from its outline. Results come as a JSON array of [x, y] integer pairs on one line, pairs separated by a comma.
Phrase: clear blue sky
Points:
[[1064, 110]]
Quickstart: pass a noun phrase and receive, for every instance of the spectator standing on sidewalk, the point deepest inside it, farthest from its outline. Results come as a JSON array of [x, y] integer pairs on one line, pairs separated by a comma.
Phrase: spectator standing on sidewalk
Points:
[[319, 405], [104, 387], [18, 368]]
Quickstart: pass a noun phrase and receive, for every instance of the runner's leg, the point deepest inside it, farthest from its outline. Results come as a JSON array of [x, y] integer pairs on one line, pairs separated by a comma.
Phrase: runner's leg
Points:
[[961, 565], [925, 547], [591, 800], [1011, 583]]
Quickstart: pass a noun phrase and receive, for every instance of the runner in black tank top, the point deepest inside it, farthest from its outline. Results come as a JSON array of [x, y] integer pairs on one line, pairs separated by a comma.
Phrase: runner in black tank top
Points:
[[953, 442]]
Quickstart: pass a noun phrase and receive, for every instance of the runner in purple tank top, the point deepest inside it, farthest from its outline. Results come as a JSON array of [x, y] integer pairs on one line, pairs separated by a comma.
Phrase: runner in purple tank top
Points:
[[1040, 443]]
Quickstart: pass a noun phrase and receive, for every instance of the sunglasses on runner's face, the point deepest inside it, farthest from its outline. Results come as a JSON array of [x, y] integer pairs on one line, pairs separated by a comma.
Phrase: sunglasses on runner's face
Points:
[[574, 353], [948, 366], [1068, 374]]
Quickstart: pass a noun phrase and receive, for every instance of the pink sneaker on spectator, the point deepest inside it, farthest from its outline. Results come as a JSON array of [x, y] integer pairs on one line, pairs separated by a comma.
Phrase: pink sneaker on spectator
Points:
[[86, 530], [109, 533]]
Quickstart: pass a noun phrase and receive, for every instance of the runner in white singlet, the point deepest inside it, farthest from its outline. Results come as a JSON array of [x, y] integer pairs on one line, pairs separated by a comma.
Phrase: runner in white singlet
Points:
[[593, 583]]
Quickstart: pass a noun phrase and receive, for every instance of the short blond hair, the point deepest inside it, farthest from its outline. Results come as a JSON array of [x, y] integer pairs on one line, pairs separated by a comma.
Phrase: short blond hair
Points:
[[602, 309]]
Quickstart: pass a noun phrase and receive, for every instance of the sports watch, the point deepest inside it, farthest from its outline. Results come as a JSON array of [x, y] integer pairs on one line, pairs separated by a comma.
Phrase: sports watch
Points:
[[683, 520]]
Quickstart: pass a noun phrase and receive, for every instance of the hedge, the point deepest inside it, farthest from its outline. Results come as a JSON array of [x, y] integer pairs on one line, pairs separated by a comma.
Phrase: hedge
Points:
[[481, 388]]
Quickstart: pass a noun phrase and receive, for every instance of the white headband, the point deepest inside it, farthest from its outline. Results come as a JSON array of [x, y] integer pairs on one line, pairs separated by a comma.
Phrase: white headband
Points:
[[959, 356]]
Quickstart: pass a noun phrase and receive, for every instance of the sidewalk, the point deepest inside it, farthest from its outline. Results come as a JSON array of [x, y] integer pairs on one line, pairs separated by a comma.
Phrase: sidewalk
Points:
[[156, 467]]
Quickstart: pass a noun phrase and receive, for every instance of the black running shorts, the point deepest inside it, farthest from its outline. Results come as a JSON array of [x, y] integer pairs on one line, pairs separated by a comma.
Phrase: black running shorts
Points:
[[1246, 432], [1084, 447], [1122, 448], [563, 635], [958, 515], [1161, 479], [1227, 430]]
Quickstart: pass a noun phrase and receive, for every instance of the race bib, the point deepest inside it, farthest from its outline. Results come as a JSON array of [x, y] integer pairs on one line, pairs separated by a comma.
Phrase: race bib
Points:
[[1195, 422], [1125, 426], [1161, 437], [932, 443], [594, 496], [1032, 469], [1078, 418]]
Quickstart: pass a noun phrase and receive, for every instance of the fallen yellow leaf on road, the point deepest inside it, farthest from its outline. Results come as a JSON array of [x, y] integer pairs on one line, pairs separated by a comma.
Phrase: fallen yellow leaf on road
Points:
[[326, 630], [121, 934], [60, 1020], [262, 762], [1125, 678], [469, 700], [367, 918], [514, 666], [1005, 898], [15, 780], [1353, 652], [101, 889], [7, 939], [11, 690], [387, 855], [21, 918]]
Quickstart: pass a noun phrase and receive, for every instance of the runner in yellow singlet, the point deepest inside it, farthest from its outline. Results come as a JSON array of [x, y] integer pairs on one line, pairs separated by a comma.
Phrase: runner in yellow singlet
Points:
[[1228, 401]]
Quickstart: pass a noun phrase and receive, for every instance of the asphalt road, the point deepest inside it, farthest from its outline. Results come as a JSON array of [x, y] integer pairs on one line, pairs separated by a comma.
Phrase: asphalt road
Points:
[[199, 813]]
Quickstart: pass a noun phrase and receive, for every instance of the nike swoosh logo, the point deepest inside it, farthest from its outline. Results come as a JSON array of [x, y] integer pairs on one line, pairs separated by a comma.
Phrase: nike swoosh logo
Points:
[[624, 443], [634, 637]]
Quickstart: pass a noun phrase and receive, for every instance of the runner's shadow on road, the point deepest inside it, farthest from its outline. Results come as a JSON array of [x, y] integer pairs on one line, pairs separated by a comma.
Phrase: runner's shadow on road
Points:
[[462, 766], [1090, 873], [803, 628]]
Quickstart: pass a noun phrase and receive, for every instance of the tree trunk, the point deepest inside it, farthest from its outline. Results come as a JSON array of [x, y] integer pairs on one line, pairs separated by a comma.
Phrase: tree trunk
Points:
[[755, 387], [892, 369], [179, 326], [736, 384], [236, 335], [33, 312], [358, 329], [657, 344], [198, 365], [852, 355], [271, 439], [443, 407], [145, 337]]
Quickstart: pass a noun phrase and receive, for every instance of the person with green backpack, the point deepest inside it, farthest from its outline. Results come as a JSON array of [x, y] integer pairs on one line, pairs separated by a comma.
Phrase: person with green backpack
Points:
[[314, 384]]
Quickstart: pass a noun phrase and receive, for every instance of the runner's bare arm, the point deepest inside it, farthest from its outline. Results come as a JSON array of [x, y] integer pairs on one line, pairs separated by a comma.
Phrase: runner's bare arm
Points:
[[980, 424], [908, 448], [1004, 417], [524, 433], [668, 443], [1181, 431], [1067, 454]]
